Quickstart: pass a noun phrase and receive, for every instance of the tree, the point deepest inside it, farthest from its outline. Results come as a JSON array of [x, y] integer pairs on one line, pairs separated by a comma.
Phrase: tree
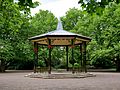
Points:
[[95, 6], [106, 29], [71, 18], [6, 54], [112, 31], [42, 22], [14, 28], [24, 5]]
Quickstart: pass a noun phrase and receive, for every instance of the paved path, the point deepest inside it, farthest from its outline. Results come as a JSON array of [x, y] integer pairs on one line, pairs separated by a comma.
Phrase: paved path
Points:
[[17, 81]]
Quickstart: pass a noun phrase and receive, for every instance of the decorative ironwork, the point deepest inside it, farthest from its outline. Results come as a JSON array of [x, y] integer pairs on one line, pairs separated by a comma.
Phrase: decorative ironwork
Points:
[[72, 46], [49, 46], [35, 50]]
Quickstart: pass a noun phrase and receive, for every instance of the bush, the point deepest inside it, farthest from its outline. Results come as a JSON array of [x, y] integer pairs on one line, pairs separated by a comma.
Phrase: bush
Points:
[[102, 63]]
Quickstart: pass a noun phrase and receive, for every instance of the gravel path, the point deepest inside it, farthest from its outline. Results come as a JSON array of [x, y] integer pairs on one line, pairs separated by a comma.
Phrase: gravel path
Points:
[[17, 81]]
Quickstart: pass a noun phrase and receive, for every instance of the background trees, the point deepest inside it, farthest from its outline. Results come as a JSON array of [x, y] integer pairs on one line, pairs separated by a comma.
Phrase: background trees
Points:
[[10, 24], [13, 34], [107, 35], [99, 20], [42, 22], [6, 54], [96, 6], [104, 30]]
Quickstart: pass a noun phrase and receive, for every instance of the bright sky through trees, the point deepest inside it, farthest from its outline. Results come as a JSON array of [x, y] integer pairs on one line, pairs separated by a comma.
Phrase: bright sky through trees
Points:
[[57, 7]]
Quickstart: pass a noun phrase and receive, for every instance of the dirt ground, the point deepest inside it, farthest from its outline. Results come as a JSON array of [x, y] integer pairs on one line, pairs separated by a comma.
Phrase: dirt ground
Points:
[[17, 81]]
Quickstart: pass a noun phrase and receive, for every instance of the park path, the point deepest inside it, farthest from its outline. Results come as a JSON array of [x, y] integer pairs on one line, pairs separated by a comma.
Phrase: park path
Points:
[[17, 81]]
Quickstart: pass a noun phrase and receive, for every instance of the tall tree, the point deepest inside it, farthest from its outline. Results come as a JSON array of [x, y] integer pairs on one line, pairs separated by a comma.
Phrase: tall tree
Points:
[[104, 30], [105, 37], [14, 28], [71, 18], [6, 54], [43, 22]]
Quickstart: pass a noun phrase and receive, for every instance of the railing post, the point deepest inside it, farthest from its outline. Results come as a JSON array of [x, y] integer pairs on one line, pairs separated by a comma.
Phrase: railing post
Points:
[[49, 47], [67, 58], [84, 56], [35, 56]]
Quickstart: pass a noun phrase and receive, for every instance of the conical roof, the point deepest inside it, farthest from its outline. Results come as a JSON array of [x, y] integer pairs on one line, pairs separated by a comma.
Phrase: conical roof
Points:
[[62, 37]]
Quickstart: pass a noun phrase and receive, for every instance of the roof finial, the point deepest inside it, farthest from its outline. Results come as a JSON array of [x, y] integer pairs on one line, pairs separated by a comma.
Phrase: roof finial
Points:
[[59, 26]]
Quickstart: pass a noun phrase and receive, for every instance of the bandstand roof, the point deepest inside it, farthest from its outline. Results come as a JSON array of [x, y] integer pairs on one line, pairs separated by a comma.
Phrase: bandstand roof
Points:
[[60, 37]]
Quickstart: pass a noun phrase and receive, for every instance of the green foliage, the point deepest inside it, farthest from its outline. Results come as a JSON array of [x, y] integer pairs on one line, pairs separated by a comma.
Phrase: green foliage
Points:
[[25, 5], [71, 18], [95, 6], [102, 59], [76, 65], [6, 50], [9, 20], [6, 54], [58, 57], [28, 3], [104, 30], [41, 63], [43, 22], [14, 28], [103, 25]]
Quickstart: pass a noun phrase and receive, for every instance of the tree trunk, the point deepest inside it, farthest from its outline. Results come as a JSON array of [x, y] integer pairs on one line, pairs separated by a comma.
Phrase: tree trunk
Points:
[[2, 66], [118, 64]]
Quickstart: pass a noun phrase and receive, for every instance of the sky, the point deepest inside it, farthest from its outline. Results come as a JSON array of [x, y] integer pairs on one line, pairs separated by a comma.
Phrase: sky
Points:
[[57, 7]]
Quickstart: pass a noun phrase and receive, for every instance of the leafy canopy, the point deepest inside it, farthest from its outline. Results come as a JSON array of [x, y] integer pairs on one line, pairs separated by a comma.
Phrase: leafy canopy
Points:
[[95, 6]]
